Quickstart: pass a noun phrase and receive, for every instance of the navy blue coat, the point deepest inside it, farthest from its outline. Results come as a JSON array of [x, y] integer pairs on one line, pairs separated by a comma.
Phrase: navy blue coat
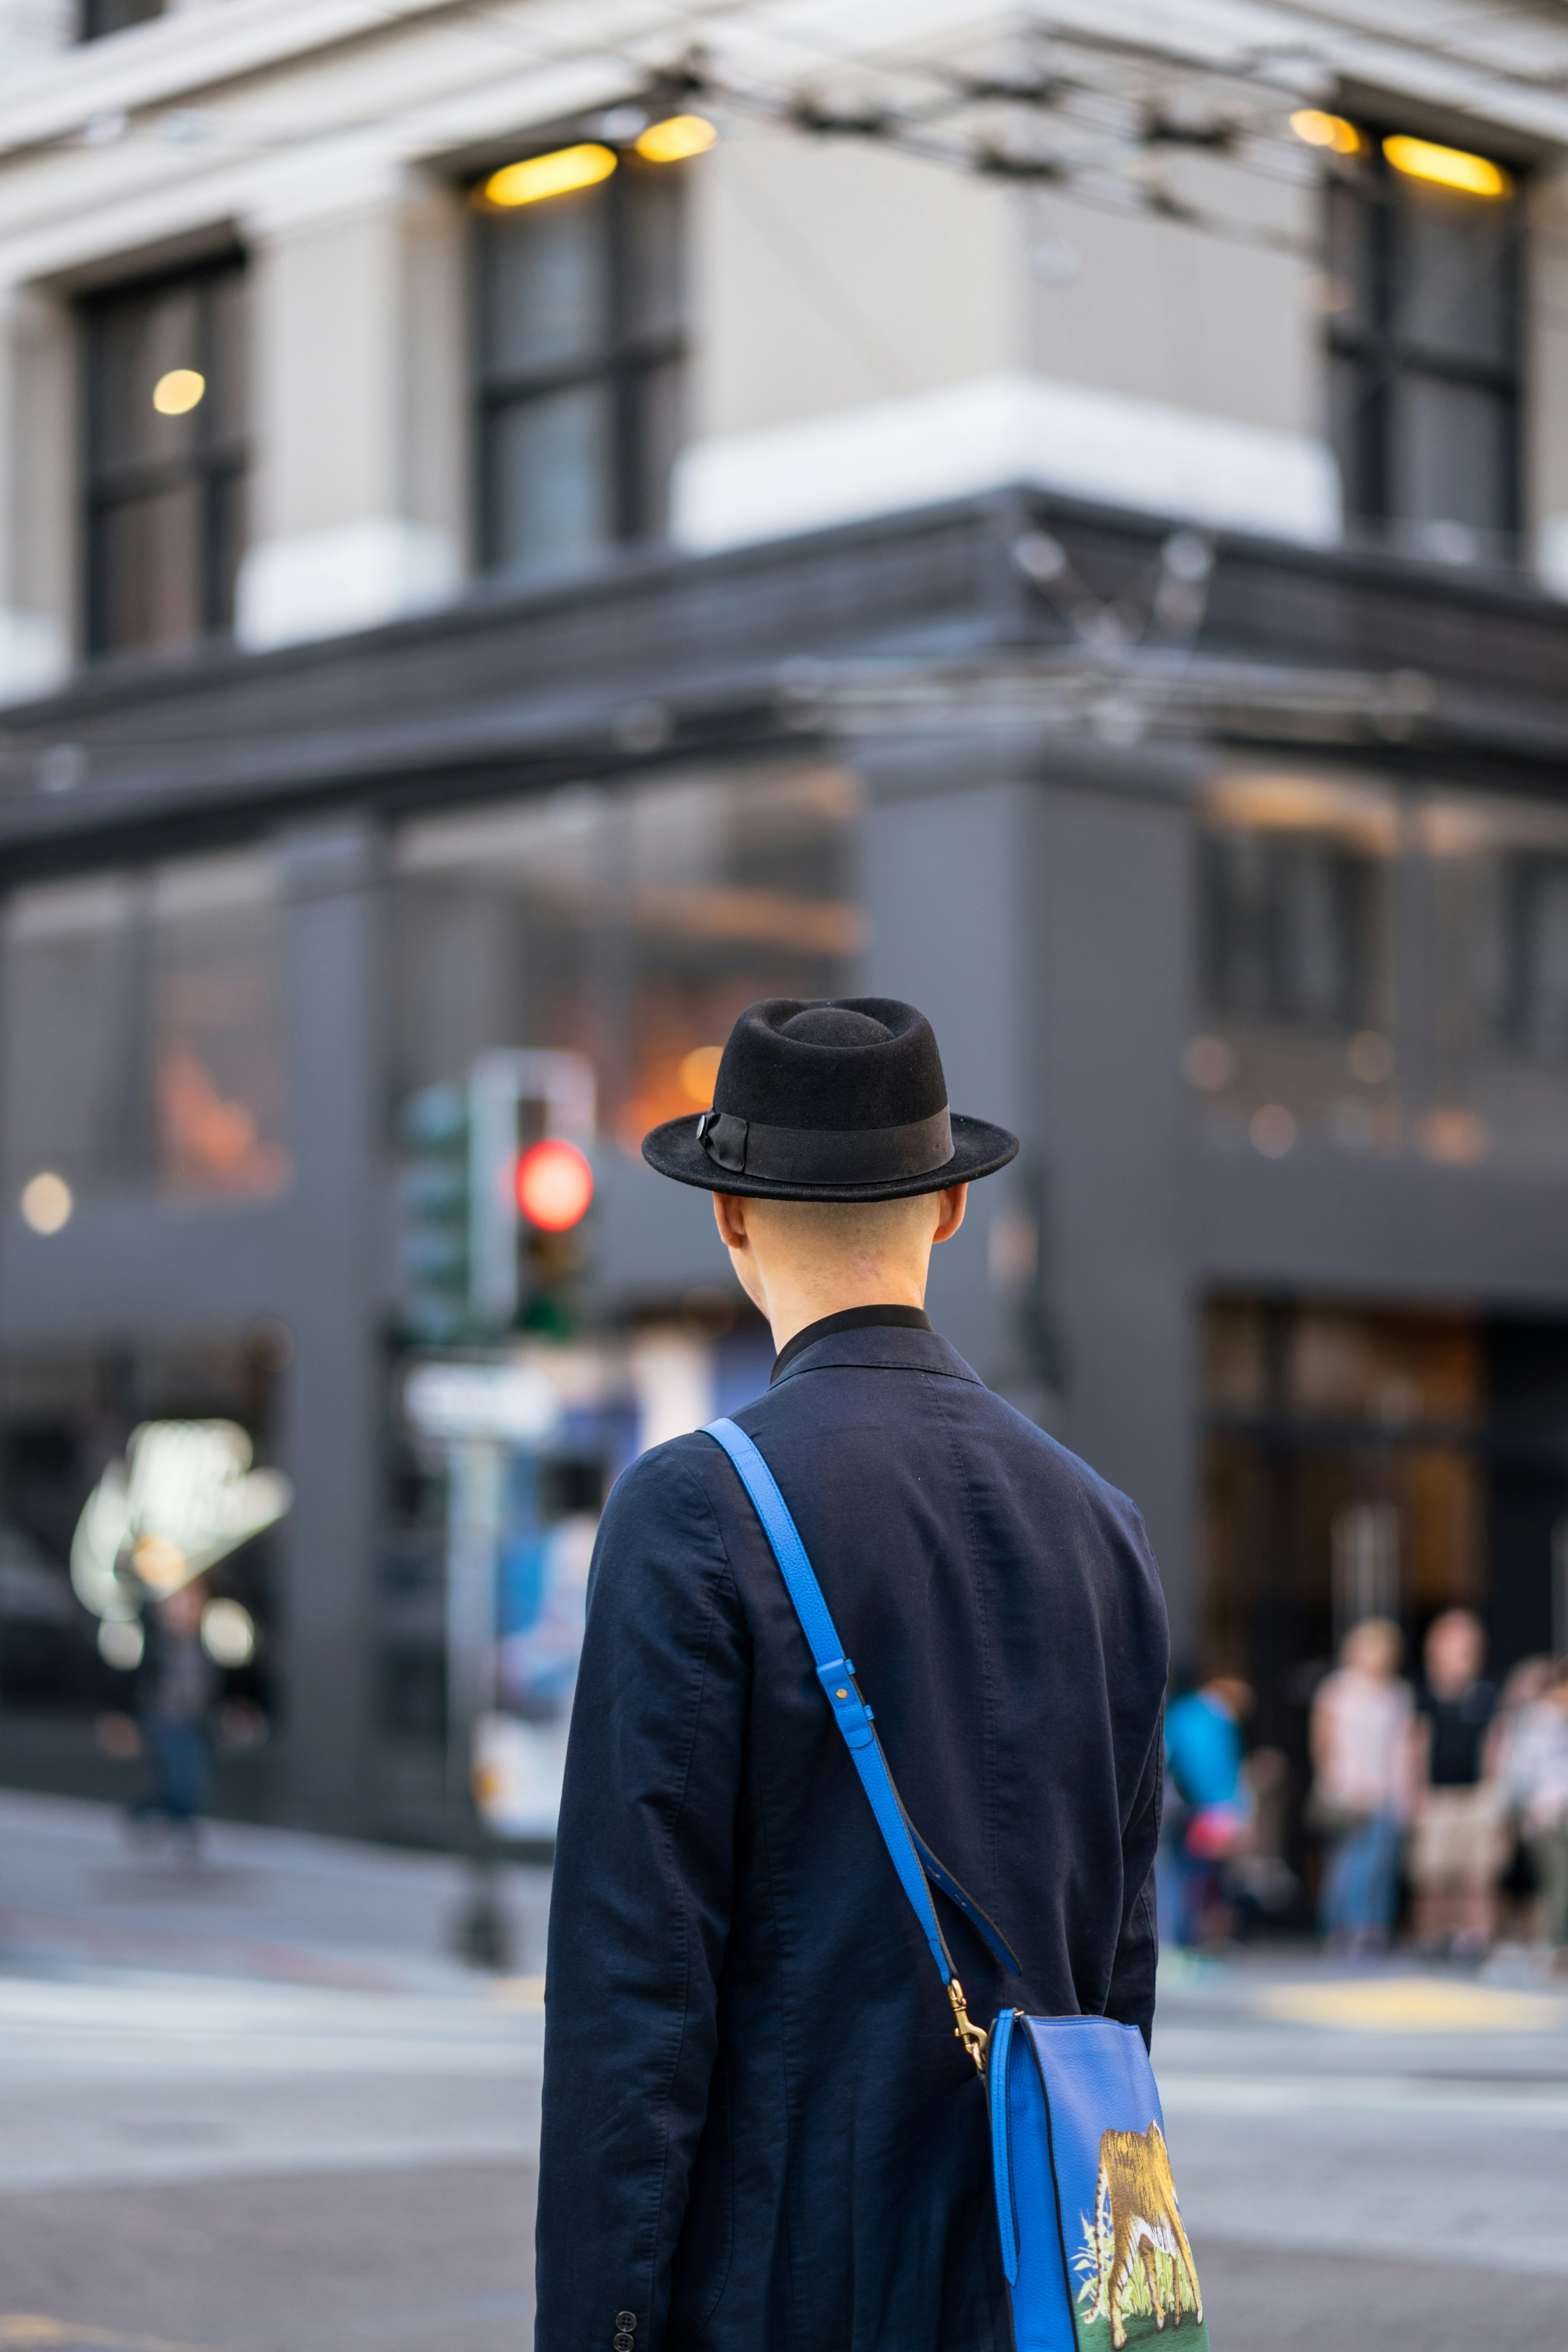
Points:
[[759, 2133]]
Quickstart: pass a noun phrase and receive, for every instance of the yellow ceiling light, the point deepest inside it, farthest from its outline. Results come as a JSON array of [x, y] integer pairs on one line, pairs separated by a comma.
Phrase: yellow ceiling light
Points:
[[1449, 167], [1331, 130], [556, 175], [176, 394], [678, 136]]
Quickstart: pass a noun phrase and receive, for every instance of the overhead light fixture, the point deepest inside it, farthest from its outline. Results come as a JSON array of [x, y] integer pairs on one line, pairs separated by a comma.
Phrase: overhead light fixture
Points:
[[1448, 167], [1330, 130], [176, 394], [676, 138], [556, 175]]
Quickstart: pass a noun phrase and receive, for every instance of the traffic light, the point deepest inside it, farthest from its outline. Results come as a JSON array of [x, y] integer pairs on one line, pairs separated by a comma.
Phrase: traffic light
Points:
[[531, 1124], [433, 1189], [494, 1187]]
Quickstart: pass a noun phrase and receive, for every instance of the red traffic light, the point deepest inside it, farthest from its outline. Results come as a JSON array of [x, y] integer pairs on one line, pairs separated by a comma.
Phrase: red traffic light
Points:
[[554, 1185]]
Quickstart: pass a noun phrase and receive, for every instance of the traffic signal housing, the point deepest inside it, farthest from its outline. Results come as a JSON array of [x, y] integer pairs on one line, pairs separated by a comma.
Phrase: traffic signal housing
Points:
[[495, 1185], [434, 1186]]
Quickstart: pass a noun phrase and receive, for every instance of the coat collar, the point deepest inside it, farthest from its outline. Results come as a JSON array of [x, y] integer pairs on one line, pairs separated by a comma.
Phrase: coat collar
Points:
[[880, 1348]]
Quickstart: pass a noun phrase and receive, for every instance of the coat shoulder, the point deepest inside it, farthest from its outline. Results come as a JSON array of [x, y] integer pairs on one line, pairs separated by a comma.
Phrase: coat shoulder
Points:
[[676, 1481], [1066, 1472], [660, 1531], [994, 1434]]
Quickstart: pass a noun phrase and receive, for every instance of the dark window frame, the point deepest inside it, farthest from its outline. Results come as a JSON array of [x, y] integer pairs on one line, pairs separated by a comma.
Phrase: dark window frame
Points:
[[1528, 877], [1384, 357], [98, 19], [625, 361], [212, 466]]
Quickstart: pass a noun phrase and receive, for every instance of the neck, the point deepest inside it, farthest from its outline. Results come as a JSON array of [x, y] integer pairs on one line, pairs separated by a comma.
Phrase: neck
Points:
[[791, 1306]]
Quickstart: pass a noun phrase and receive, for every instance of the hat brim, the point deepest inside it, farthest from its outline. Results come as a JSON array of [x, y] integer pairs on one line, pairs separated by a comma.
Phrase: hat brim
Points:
[[978, 1149]]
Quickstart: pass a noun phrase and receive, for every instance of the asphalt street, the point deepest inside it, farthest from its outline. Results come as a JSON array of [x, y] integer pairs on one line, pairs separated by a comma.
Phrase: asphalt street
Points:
[[257, 2107]]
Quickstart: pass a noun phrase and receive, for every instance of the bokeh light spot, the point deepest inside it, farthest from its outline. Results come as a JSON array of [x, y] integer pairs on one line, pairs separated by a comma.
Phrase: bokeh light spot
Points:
[[699, 1072], [676, 138], [47, 1201], [554, 1185], [178, 392]]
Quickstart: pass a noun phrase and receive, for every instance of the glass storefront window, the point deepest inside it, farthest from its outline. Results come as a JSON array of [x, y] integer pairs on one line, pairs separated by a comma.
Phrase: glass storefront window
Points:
[[217, 1022], [629, 927], [1296, 959], [142, 1026], [1499, 881], [1382, 972], [69, 985], [65, 1416], [1345, 1475]]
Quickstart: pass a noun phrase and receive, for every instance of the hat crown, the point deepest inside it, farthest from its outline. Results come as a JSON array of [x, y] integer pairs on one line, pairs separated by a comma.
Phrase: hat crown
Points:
[[831, 1063]]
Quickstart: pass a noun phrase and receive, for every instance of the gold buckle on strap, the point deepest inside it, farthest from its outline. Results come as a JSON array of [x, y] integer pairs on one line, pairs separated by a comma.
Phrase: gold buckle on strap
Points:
[[974, 2037]]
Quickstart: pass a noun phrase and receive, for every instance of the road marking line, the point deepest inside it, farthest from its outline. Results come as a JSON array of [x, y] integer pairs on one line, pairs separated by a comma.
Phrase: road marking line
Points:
[[34, 2328], [1410, 2005]]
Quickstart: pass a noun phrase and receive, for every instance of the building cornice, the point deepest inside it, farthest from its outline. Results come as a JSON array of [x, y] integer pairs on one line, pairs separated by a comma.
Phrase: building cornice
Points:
[[1320, 653]]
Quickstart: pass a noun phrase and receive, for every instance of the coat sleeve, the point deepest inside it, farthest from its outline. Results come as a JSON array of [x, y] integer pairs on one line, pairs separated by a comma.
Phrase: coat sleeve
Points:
[[1143, 1650], [640, 1907], [1131, 1999]]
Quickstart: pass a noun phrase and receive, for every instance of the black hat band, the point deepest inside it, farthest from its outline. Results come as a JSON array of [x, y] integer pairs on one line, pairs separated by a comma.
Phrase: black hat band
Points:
[[810, 1155]]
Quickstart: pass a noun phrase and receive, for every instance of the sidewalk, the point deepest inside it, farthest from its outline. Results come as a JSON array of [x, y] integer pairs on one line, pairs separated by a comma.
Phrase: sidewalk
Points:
[[275, 1905], [254, 2104]]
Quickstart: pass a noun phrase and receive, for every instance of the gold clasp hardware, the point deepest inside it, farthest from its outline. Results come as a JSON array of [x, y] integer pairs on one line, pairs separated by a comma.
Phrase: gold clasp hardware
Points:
[[974, 2037]]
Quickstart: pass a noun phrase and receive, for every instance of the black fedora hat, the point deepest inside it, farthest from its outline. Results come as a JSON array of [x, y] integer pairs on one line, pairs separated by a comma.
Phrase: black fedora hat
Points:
[[835, 1099]]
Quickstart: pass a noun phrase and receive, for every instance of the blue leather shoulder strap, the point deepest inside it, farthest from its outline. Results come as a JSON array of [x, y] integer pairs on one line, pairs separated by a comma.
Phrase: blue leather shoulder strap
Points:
[[910, 1855]]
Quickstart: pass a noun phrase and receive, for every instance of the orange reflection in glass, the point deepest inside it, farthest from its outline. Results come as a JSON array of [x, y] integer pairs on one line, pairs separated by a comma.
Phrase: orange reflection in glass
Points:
[[211, 1142]]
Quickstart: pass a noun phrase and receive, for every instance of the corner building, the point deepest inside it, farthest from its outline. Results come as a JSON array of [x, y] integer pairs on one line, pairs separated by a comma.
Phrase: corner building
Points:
[[1114, 604]]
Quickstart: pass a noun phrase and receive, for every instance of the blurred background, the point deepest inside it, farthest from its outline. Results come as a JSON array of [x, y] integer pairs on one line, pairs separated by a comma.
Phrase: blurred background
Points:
[[526, 527]]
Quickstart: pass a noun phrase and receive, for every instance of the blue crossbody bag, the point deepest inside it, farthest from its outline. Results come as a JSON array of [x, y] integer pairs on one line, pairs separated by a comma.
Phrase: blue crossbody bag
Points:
[[1091, 2238]]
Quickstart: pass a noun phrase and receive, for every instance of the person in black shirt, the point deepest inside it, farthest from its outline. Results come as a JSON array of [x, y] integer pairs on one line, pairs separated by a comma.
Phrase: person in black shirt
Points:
[[1456, 1850]]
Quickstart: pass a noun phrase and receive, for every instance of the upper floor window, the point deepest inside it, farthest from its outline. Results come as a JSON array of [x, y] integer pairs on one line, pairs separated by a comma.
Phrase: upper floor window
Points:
[[101, 17], [581, 355], [165, 491], [1424, 340]]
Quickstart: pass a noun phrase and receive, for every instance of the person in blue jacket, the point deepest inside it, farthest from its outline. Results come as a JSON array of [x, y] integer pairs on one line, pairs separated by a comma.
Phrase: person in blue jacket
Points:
[[1208, 1807], [759, 2132]]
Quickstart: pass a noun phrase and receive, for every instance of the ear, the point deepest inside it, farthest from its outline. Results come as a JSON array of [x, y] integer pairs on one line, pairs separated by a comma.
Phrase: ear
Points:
[[950, 1206], [730, 1216]]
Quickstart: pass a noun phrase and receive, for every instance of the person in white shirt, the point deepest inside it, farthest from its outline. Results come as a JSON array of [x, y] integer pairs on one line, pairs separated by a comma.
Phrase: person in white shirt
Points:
[[1361, 1794], [1532, 1769]]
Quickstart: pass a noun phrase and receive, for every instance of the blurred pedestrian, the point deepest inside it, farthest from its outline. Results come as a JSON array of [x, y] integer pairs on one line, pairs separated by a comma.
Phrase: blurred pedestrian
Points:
[[1256, 1881], [176, 1685], [1516, 1727], [1533, 1774], [1457, 1847], [1208, 1807], [1361, 1789], [758, 2127]]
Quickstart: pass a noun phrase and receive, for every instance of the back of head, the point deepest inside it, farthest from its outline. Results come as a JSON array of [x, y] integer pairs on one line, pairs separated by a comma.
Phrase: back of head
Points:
[[858, 1241]]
